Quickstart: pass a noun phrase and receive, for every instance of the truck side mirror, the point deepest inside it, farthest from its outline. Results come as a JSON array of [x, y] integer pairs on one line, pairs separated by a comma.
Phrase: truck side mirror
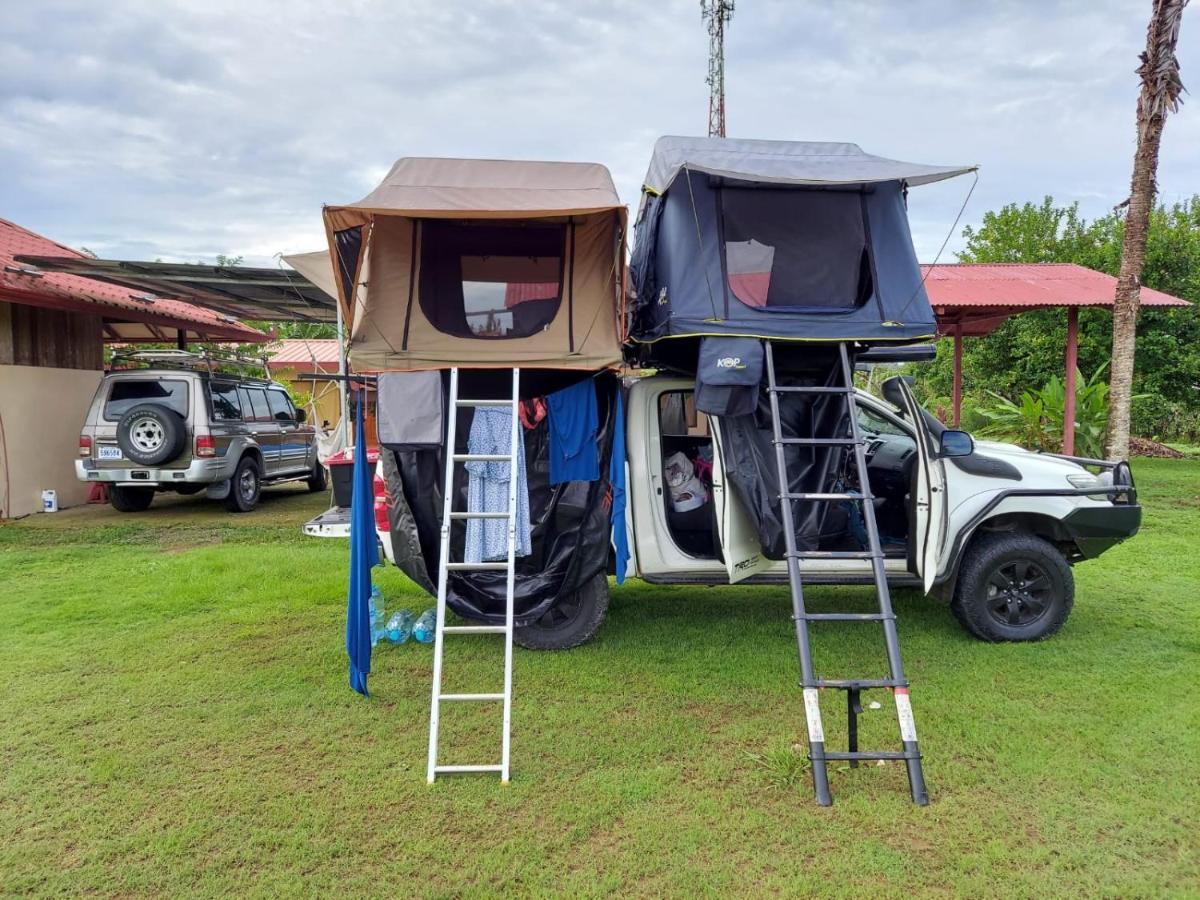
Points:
[[301, 416], [956, 443]]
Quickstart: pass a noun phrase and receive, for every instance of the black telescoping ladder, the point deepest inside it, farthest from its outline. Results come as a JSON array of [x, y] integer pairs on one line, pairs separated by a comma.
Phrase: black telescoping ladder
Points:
[[811, 684]]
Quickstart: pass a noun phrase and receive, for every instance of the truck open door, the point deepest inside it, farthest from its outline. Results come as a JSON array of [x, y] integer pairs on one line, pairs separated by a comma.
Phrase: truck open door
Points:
[[740, 545], [929, 490]]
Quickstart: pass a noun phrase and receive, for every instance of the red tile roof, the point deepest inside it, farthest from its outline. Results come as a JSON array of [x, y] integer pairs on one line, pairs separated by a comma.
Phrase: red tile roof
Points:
[[21, 283], [965, 286]]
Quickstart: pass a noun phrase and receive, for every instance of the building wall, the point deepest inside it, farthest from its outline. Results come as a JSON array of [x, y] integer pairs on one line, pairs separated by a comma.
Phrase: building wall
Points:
[[42, 410], [32, 336]]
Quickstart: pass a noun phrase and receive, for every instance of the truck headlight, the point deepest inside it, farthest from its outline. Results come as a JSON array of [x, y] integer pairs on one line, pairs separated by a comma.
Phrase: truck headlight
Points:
[[1084, 480]]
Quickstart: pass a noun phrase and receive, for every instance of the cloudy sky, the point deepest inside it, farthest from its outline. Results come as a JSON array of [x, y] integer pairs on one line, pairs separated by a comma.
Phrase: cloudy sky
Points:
[[182, 130]]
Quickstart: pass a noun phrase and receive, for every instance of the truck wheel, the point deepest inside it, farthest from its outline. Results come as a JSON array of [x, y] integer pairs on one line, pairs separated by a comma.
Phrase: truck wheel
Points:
[[151, 434], [574, 620], [244, 486], [316, 480], [1013, 586], [130, 499]]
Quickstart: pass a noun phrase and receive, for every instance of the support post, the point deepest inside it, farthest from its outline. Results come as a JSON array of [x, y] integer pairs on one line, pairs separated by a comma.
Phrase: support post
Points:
[[1072, 363], [957, 400], [181, 341], [343, 408]]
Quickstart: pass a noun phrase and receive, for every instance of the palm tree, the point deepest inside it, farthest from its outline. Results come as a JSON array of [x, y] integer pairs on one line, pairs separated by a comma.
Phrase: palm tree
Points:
[[1160, 95]]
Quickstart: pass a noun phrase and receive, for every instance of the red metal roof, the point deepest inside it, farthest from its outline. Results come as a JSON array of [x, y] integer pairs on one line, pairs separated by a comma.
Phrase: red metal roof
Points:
[[22, 283], [954, 287], [305, 354]]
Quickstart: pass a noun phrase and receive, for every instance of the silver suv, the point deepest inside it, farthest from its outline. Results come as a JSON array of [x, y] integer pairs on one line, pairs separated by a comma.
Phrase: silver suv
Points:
[[184, 426]]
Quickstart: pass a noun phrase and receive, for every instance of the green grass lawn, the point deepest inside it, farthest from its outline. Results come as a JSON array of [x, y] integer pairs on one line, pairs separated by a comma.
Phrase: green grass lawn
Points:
[[176, 719]]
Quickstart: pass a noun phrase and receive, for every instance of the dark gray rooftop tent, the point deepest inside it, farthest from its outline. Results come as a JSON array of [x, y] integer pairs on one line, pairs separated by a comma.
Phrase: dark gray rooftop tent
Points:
[[778, 239]]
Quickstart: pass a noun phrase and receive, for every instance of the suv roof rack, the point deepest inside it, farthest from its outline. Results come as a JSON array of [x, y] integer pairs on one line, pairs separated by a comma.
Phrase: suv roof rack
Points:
[[204, 360]]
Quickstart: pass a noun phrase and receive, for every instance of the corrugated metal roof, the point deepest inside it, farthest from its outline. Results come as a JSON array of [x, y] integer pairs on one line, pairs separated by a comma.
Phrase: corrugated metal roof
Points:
[[966, 286], [24, 283], [305, 354]]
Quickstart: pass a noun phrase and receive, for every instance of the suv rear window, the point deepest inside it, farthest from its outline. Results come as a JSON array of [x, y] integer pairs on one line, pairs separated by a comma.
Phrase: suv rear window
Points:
[[254, 402], [125, 394], [225, 406]]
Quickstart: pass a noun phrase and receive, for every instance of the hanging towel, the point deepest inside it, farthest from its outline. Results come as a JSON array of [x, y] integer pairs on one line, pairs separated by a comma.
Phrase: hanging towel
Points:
[[573, 425], [410, 409], [487, 489], [616, 481]]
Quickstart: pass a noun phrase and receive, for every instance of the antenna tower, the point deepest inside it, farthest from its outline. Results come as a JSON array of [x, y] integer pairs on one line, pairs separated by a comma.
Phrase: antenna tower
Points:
[[716, 13]]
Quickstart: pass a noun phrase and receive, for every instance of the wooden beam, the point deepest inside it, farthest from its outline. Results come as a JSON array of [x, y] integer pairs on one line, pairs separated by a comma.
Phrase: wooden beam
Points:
[[1072, 365], [957, 398]]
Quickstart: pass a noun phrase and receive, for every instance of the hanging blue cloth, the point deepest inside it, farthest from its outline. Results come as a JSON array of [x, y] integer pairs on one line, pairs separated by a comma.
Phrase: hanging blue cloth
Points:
[[487, 488], [364, 554], [616, 480], [573, 426]]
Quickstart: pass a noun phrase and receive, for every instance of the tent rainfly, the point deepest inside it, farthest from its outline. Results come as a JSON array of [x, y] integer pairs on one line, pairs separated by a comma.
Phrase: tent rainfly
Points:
[[482, 263], [778, 239]]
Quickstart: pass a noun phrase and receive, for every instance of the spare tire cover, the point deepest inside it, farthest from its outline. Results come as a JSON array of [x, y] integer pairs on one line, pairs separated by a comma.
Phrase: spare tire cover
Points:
[[151, 434]]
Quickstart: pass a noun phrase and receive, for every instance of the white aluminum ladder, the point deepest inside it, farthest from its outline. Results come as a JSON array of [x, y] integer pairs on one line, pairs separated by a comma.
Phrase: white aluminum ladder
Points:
[[445, 566]]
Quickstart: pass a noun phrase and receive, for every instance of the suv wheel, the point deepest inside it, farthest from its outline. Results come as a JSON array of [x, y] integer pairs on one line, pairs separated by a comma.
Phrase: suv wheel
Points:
[[244, 486], [130, 499], [1013, 586], [316, 480], [150, 434], [572, 621]]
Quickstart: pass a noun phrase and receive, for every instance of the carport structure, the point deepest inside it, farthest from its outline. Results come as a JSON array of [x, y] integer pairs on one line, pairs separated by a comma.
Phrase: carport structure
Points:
[[974, 299]]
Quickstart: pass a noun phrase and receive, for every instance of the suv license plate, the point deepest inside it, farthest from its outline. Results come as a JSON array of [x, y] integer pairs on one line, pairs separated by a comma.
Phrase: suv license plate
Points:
[[108, 452]]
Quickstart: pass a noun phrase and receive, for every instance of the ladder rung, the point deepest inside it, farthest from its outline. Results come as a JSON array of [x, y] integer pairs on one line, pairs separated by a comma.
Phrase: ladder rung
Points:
[[845, 684], [477, 567], [833, 554], [869, 754], [483, 457], [483, 402], [468, 698], [821, 442], [845, 617], [810, 496], [810, 389], [475, 629], [479, 515], [440, 770]]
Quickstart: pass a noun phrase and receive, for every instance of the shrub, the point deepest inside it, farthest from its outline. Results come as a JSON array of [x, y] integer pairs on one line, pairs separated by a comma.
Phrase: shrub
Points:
[[1035, 421]]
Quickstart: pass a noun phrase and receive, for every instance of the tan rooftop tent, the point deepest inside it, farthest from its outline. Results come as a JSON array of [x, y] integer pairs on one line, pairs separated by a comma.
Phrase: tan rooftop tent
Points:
[[482, 263]]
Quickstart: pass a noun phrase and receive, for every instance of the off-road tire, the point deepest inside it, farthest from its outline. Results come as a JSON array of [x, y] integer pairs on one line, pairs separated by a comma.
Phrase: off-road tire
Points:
[[130, 499], [151, 435], [990, 611], [316, 481], [571, 622], [245, 486]]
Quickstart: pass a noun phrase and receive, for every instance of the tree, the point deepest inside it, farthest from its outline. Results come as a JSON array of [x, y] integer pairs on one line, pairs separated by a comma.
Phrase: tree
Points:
[[1026, 351], [1160, 94]]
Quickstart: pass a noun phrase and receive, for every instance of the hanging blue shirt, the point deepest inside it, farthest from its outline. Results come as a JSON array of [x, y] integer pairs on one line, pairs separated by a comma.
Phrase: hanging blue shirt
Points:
[[616, 480], [573, 425]]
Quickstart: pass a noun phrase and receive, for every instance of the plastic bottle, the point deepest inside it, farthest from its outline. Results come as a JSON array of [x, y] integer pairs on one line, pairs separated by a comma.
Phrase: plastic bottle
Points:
[[424, 629], [375, 604], [400, 626]]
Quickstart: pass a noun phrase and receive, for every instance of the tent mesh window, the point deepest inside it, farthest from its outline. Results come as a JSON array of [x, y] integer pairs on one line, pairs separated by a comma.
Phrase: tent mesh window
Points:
[[790, 250], [491, 281]]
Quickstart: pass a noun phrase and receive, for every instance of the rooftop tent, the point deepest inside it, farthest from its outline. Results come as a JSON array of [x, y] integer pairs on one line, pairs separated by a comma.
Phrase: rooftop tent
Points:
[[778, 239], [486, 263]]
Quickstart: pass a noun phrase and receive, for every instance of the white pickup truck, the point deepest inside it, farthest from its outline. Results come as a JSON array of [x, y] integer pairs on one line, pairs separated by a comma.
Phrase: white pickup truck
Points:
[[995, 531]]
